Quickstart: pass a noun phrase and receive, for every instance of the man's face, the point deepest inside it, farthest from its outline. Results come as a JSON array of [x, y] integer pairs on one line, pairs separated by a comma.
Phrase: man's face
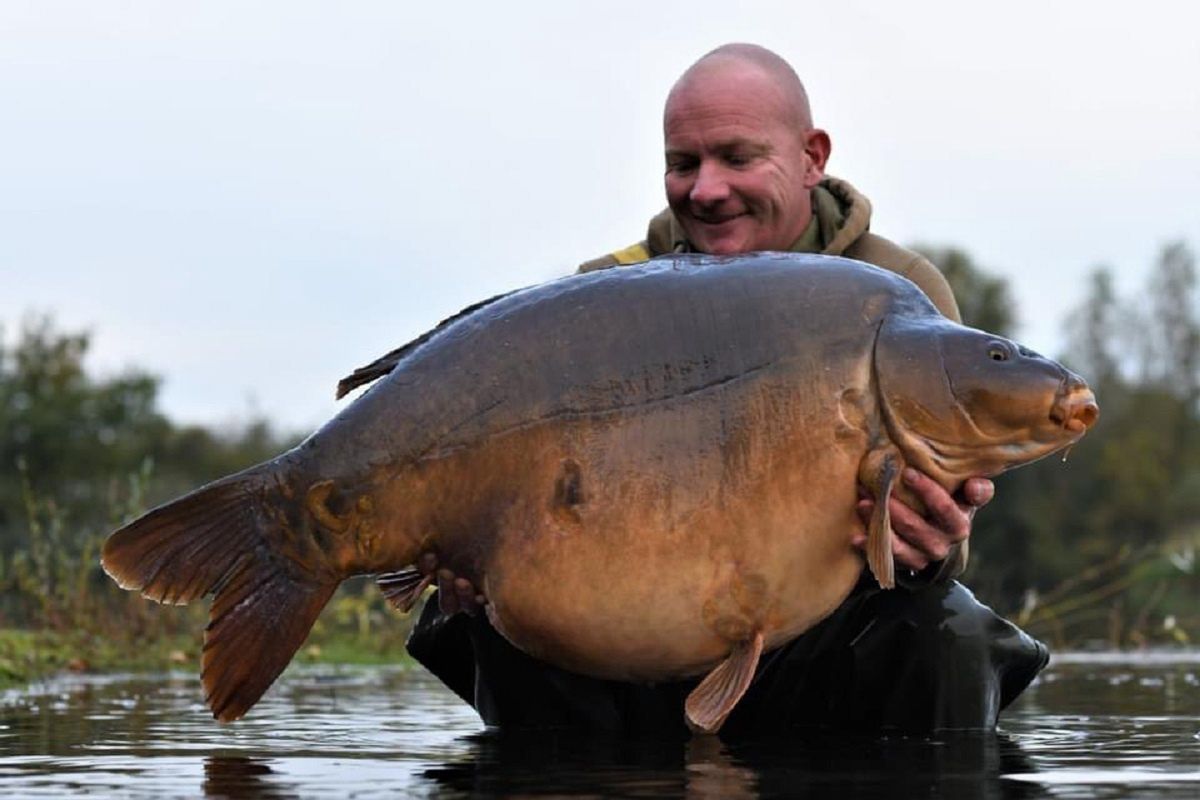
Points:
[[739, 170]]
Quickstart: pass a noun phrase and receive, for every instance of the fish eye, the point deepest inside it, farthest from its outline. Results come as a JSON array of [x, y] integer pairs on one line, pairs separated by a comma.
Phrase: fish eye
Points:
[[997, 352]]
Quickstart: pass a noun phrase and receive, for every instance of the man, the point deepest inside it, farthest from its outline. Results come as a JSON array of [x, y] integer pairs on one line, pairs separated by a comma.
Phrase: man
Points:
[[745, 171]]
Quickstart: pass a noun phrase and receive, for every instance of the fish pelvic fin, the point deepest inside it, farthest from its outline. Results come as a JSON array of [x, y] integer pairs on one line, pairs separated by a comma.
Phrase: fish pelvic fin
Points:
[[403, 588], [878, 473], [223, 539], [710, 703]]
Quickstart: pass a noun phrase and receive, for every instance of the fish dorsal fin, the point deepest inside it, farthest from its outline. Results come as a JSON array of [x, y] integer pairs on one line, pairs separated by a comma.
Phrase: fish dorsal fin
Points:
[[878, 474], [710, 703], [385, 364], [404, 587]]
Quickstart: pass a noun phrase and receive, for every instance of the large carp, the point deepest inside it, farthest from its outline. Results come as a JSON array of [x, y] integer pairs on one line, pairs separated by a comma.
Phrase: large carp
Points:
[[650, 472]]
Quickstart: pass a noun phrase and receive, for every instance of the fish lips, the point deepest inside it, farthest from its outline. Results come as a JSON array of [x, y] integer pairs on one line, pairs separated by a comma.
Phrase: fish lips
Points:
[[1075, 407]]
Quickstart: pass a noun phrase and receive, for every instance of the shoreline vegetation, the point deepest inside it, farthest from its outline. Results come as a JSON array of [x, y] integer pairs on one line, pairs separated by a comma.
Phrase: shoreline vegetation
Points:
[[356, 628], [1098, 553]]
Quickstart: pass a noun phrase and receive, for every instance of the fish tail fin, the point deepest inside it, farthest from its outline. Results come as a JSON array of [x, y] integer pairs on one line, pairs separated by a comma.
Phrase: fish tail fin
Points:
[[219, 540], [258, 621]]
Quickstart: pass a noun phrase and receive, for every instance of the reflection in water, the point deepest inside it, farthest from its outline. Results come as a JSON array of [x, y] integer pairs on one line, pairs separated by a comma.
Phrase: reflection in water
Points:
[[1090, 728], [237, 777], [964, 766], [712, 773], [959, 765]]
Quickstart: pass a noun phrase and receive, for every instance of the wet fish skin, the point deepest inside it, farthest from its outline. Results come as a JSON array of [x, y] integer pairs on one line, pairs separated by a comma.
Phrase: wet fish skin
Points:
[[643, 469]]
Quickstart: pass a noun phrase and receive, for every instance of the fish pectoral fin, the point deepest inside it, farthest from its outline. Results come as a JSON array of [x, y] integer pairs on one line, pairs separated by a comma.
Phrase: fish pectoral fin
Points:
[[403, 588], [878, 473], [955, 563], [711, 702]]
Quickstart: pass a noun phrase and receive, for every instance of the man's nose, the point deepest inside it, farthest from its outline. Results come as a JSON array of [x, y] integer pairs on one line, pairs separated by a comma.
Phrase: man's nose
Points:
[[710, 186]]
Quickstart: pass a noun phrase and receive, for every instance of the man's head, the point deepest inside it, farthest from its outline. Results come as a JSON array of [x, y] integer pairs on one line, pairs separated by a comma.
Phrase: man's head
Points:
[[742, 153]]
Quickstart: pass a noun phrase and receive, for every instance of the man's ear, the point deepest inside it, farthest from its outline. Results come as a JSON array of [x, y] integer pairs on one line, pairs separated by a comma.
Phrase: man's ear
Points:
[[818, 146]]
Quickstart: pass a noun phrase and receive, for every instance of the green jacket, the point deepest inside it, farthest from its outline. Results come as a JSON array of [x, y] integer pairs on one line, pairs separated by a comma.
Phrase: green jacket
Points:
[[842, 217]]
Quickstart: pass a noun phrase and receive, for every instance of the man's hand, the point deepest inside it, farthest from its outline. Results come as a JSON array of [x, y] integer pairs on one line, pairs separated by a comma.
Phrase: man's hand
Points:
[[454, 593], [920, 541]]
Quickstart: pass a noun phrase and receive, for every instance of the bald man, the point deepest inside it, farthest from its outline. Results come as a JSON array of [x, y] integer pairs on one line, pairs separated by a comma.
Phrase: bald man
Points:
[[745, 171]]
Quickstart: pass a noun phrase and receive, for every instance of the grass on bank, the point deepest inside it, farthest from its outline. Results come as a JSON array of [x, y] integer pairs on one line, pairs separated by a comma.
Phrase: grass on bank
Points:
[[59, 611], [356, 628]]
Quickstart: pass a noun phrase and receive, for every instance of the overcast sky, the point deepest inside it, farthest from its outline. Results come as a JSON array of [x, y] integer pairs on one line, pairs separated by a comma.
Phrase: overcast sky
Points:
[[251, 199]]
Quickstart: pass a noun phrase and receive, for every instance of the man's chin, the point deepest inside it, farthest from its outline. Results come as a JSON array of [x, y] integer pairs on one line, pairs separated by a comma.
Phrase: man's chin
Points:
[[734, 235], [726, 245]]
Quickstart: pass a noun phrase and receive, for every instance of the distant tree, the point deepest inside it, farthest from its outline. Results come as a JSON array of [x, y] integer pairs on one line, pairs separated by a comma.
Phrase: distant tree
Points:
[[1174, 330], [984, 300], [63, 428], [74, 439], [1092, 330], [1173, 327], [1131, 484]]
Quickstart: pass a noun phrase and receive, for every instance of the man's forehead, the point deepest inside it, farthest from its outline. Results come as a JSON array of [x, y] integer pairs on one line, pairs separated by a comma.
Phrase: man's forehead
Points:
[[722, 120], [733, 84], [718, 138]]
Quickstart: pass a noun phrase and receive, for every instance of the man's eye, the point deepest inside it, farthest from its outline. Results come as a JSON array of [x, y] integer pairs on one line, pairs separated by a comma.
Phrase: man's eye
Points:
[[680, 166]]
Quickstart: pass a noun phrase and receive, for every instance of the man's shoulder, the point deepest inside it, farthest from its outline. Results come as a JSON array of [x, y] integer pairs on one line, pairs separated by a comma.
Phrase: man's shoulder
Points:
[[886, 254], [662, 235], [634, 254]]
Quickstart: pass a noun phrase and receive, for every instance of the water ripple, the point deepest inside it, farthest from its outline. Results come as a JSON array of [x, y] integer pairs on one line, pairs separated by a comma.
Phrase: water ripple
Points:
[[1092, 726]]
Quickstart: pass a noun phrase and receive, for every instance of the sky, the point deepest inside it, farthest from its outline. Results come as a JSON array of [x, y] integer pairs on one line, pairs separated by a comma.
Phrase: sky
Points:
[[250, 199]]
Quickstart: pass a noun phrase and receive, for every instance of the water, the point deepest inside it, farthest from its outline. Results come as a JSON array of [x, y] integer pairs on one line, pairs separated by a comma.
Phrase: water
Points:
[[1099, 726]]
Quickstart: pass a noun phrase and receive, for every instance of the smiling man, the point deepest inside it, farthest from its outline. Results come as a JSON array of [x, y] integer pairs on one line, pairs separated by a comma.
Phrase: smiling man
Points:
[[745, 171], [742, 155]]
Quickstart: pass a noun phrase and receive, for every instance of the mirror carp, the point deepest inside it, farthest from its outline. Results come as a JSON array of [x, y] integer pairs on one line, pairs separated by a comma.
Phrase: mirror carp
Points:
[[650, 472]]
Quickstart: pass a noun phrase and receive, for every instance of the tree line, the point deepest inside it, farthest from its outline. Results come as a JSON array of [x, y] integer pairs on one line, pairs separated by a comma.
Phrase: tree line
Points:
[[1100, 549]]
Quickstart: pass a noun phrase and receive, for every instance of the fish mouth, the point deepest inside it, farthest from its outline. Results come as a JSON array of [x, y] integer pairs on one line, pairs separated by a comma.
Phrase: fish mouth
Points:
[[1074, 408]]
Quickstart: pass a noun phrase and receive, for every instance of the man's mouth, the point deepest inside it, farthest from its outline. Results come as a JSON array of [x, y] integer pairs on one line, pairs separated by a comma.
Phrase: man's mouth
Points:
[[711, 219]]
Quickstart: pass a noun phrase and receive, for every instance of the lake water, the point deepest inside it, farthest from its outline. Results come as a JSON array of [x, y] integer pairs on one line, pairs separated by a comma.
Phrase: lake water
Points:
[[1092, 726]]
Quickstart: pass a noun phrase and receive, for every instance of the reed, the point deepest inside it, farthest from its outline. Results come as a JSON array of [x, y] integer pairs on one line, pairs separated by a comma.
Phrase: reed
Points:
[[60, 611]]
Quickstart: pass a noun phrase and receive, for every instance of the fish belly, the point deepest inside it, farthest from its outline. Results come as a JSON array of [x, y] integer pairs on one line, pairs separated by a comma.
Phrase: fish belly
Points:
[[674, 541]]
